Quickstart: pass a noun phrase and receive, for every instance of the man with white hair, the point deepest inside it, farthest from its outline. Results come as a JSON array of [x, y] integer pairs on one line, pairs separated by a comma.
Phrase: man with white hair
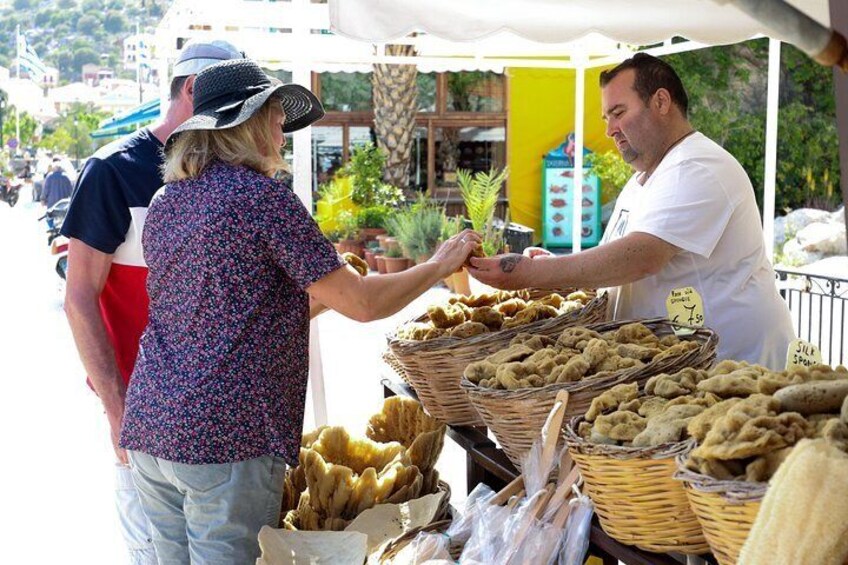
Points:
[[106, 300]]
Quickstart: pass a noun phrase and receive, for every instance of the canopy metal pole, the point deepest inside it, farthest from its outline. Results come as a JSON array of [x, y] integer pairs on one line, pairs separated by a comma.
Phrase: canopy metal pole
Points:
[[839, 22], [577, 195], [302, 165], [770, 176]]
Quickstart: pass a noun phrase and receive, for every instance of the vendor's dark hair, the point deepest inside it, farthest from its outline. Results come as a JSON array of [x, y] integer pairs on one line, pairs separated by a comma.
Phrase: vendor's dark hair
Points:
[[651, 75], [177, 85]]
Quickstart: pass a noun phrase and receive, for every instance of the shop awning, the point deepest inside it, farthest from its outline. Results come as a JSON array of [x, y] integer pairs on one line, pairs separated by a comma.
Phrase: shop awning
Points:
[[126, 122]]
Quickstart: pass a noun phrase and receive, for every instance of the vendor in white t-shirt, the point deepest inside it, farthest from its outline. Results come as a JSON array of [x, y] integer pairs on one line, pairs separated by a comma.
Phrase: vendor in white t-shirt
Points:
[[687, 217]]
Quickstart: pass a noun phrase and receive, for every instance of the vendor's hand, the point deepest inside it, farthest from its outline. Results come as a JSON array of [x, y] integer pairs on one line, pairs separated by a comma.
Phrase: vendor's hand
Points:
[[452, 253], [534, 252], [508, 272]]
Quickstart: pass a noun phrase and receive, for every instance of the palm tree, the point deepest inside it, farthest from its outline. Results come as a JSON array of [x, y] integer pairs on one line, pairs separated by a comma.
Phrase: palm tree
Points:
[[395, 92]]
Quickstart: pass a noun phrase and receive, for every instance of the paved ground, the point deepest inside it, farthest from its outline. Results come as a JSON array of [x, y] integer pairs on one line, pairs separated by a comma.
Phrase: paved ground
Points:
[[57, 465]]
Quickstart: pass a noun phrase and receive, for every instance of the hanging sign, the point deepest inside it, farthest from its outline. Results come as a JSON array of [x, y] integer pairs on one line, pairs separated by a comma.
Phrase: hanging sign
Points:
[[685, 306], [802, 354]]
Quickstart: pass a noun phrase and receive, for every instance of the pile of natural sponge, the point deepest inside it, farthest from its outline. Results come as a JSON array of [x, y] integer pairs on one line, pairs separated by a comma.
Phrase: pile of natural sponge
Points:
[[339, 476], [578, 353], [745, 418], [466, 316]]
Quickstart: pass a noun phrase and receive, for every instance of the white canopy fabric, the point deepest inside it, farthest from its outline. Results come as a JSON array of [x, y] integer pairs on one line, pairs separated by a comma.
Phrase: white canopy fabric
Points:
[[641, 22]]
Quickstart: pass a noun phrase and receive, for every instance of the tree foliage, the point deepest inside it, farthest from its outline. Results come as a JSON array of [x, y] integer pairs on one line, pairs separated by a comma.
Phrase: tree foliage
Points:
[[71, 134], [27, 125], [727, 103], [67, 32]]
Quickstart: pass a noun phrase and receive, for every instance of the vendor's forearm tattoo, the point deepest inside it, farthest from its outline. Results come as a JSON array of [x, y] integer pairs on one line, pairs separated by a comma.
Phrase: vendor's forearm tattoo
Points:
[[510, 262]]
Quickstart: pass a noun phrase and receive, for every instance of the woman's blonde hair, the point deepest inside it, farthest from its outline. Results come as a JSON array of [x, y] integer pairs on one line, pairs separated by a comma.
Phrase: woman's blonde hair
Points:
[[250, 144]]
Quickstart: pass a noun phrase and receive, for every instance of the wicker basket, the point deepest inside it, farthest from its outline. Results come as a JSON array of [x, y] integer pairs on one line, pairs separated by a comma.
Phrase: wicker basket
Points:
[[392, 550], [443, 512], [515, 417], [725, 509], [434, 367], [635, 495]]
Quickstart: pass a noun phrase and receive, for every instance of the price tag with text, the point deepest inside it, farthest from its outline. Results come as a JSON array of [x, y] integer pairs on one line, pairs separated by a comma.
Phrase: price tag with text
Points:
[[802, 354], [685, 306]]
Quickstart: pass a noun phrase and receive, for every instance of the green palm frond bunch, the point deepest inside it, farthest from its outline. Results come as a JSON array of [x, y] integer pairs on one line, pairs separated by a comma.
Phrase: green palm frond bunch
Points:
[[480, 192]]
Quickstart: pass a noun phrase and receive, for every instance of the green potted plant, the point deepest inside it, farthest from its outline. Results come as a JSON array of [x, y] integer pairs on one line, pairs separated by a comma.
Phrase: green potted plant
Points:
[[419, 228], [372, 221], [395, 261], [371, 252], [348, 234], [480, 192]]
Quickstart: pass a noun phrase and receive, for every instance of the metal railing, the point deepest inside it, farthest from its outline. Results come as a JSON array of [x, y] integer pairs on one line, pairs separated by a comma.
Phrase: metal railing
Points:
[[818, 307]]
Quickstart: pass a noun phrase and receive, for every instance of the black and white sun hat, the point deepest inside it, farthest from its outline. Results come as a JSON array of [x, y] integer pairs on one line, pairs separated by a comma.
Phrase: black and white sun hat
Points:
[[228, 93]]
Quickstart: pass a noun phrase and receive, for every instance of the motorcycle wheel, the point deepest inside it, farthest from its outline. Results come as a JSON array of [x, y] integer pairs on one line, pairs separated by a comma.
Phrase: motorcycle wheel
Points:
[[13, 199], [62, 267]]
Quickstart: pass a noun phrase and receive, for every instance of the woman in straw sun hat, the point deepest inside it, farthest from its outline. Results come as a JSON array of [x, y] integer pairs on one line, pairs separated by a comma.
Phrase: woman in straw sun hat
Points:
[[237, 269]]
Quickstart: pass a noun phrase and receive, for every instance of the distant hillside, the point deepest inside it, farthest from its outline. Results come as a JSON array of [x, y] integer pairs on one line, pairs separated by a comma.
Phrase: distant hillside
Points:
[[67, 34]]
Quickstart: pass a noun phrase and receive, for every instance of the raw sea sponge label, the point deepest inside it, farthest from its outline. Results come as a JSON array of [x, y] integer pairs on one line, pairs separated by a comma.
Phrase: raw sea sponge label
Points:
[[685, 306], [802, 354]]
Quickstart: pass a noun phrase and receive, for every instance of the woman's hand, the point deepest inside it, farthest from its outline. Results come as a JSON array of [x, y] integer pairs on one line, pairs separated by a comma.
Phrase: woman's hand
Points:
[[452, 254]]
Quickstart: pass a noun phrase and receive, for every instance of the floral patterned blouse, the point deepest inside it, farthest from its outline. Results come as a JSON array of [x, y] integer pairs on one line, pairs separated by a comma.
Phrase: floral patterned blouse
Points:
[[223, 364]]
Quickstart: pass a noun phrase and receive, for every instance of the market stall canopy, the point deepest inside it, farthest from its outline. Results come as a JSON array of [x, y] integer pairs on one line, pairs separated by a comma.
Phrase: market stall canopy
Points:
[[125, 122], [556, 21]]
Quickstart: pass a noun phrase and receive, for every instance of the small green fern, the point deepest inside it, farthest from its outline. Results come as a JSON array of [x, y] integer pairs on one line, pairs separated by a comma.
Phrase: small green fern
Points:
[[480, 192]]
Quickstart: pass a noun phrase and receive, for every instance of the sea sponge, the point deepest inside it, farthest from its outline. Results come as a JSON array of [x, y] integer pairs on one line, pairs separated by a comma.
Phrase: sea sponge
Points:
[[355, 261], [468, 329], [677, 384], [446, 317], [611, 399], [488, 316], [620, 426]]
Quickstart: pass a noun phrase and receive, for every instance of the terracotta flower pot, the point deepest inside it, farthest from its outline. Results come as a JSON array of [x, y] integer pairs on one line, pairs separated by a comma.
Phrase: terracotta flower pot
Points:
[[381, 239], [370, 234], [355, 246], [458, 283], [381, 264], [371, 259], [391, 243], [396, 264]]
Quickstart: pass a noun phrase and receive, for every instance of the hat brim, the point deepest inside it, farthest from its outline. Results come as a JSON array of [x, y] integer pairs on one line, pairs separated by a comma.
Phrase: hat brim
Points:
[[302, 109]]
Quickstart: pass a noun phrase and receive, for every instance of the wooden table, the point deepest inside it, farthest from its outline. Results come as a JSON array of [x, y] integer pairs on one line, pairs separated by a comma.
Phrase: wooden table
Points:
[[487, 463]]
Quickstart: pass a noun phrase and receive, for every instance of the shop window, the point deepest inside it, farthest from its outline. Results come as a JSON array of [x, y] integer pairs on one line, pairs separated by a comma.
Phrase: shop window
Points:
[[471, 148], [346, 92], [327, 153], [360, 136], [475, 91], [426, 92]]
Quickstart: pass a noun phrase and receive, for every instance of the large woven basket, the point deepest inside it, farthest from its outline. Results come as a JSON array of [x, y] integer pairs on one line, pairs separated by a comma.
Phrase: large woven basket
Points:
[[725, 509], [635, 495], [434, 367], [516, 416]]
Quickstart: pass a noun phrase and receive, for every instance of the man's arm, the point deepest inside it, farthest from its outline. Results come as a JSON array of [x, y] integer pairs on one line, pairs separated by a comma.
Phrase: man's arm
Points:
[[631, 258], [87, 272]]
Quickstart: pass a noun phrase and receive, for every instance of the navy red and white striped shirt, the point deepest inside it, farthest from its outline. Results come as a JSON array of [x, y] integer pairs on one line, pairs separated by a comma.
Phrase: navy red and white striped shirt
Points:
[[107, 212]]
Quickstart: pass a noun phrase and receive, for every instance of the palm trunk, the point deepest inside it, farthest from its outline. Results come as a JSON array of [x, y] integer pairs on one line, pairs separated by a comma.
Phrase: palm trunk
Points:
[[395, 93]]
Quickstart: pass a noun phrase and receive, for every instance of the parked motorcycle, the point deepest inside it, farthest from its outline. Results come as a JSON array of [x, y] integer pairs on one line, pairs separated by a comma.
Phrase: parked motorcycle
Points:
[[10, 192], [55, 216], [59, 247]]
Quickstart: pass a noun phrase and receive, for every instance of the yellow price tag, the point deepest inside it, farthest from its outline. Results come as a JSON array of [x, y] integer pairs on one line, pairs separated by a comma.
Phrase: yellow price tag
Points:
[[802, 354], [685, 306]]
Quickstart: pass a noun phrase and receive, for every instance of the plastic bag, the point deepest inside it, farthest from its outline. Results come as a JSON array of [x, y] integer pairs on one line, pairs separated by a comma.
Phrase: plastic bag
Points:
[[424, 548], [486, 541], [577, 529], [478, 499]]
